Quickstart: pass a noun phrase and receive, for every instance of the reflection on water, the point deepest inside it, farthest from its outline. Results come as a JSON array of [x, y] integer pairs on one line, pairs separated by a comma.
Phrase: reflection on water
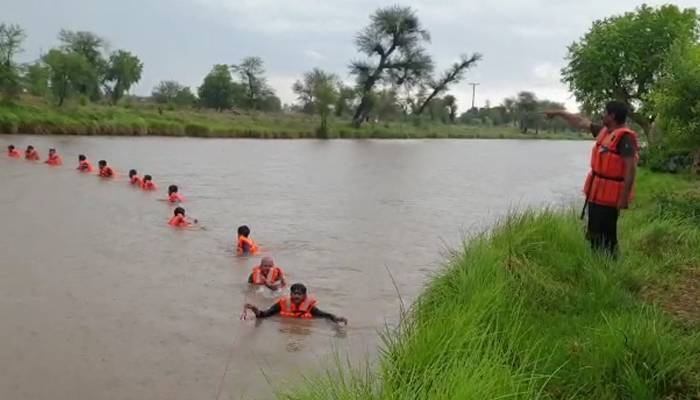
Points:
[[100, 299]]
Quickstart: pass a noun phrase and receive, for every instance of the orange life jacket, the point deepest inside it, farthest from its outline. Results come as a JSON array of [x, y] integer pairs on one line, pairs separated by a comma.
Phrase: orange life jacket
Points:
[[179, 221], [136, 180], [605, 182], [251, 245], [33, 156], [291, 310], [175, 197], [148, 185], [13, 153], [107, 172], [273, 275], [54, 160], [85, 166]]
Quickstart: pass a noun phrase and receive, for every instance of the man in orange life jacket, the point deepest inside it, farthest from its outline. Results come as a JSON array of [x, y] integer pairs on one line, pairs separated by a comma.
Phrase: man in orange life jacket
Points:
[[268, 274], [609, 185], [296, 305], [245, 246]]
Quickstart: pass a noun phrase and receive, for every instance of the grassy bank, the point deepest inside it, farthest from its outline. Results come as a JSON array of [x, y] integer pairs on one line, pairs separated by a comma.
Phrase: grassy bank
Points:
[[34, 116], [528, 311]]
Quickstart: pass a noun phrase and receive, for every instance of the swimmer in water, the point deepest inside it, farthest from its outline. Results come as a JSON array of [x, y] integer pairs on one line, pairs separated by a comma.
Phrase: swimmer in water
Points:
[[173, 195], [105, 171], [31, 154], [268, 274], [12, 152], [148, 183], [245, 245], [134, 178], [54, 159], [84, 164], [179, 220], [296, 305]]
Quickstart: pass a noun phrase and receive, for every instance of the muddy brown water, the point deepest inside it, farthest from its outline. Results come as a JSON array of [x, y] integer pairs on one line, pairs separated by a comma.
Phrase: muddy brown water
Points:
[[100, 299]]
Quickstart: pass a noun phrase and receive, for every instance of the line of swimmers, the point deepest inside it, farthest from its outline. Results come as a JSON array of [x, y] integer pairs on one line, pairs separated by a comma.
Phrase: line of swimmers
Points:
[[298, 304]]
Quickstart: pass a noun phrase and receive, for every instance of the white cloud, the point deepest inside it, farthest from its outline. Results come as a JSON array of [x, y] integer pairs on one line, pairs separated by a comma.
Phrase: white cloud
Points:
[[314, 55]]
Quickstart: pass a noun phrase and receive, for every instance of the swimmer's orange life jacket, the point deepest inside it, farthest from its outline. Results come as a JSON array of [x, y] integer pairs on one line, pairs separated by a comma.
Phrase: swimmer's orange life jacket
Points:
[[251, 245], [291, 310], [85, 166], [273, 275]]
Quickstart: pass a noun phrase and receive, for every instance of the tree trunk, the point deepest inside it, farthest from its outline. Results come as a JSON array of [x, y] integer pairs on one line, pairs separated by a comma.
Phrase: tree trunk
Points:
[[695, 168]]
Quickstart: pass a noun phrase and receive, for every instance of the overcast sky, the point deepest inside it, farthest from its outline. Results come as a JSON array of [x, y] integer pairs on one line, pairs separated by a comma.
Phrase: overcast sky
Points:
[[523, 41]]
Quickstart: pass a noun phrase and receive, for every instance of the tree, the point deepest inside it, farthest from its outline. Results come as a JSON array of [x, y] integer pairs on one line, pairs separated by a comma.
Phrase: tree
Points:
[[11, 38], [69, 72], [676, 99], [36, 79], [123, 70], [620, 58], [526, 109], [453, 75], [252, 76], [166, 91], [184, 97], [394, 38], [451, 103], [90, 47], [317, 93], [217, 90], [308, 88], [344, 101], [270, 103]]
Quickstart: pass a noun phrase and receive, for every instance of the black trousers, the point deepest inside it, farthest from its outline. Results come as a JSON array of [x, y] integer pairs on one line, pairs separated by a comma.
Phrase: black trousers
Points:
[[602, 228]]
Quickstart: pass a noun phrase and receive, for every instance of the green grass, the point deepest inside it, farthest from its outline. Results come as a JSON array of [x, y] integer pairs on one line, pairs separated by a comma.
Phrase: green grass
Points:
[[527, 311], [35, 116]]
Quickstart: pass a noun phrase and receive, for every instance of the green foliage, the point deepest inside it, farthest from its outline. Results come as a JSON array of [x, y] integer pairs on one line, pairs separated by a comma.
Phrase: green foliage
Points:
[[620, 57], [11, 38], [123, 70], [676, 98], [217, 90], [318, 93], [528, 311], [69, 72], [395, 39], [89, 46], [173, 93], [36, 79], [256, 91]]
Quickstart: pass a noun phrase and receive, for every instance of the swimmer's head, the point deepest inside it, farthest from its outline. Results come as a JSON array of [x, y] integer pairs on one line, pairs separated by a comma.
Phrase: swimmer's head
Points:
[[179, 211], [52, 152], [147, 178], [30, 148], [243, 230], [102, 163], [267, 263], [297, 292], [11, 147], [82, 157], [172, 189], [132, 173]]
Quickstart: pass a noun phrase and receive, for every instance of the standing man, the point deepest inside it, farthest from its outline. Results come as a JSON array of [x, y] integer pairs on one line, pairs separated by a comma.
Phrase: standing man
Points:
[[609, 186]]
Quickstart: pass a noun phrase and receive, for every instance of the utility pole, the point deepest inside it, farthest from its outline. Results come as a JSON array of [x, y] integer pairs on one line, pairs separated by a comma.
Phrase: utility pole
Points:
[[474, 85]]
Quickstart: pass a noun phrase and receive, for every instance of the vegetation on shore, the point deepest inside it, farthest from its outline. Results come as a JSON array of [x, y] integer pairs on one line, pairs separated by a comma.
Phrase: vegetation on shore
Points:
[[528, 311], [34, 116]]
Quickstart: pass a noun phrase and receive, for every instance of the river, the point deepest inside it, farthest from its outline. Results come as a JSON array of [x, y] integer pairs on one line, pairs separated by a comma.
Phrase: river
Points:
[[100, 299]]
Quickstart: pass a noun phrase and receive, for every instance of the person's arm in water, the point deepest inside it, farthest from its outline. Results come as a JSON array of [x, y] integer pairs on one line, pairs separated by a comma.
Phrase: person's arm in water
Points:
[[574, 120], [273, 310], [627, 152], [317, 313], [250, 278]]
